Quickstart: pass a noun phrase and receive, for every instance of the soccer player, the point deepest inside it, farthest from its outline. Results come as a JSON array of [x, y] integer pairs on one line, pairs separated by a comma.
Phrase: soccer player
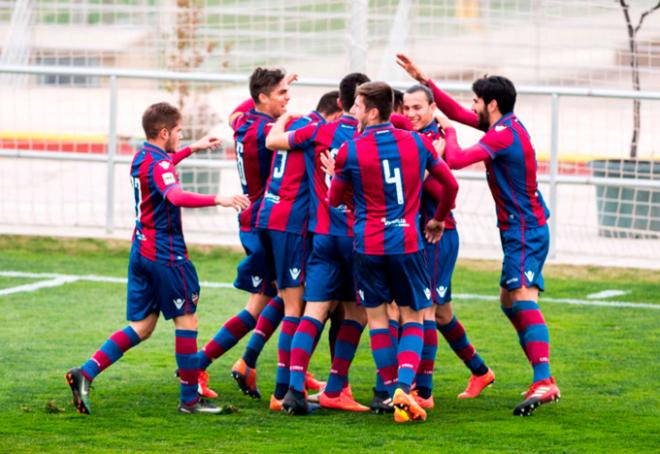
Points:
[[419, 108], [330, 266], [327, 109], [251, 121], [522, 214], [385, 168], [161, 278], [282, 224]]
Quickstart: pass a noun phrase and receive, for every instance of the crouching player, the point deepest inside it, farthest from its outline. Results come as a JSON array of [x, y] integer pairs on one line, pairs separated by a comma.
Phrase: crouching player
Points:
[[161, 278], [385, 168]]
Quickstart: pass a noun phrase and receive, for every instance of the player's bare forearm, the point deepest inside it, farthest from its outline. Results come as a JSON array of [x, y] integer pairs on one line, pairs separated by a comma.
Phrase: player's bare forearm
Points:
[[278, 138], [458, 158]]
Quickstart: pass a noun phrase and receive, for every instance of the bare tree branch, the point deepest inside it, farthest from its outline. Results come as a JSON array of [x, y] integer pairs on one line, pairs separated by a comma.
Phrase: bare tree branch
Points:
[[646, 13]]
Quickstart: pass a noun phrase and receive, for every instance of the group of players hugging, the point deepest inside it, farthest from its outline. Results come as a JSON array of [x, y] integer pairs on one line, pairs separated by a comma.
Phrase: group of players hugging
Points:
[[345, 216]]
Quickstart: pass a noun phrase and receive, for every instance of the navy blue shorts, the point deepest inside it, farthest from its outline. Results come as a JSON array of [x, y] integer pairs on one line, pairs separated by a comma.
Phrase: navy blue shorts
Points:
[[384, 278], [330, 269], [154, 287], [525, 252], [286, 253], [440, 262], [254, 274]]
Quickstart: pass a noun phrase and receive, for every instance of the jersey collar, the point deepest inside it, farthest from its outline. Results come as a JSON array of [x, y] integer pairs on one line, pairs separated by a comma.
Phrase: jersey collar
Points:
[[504, 118], [155, 149], [378, 127], [348, 119], [261, 114], [431, 127]]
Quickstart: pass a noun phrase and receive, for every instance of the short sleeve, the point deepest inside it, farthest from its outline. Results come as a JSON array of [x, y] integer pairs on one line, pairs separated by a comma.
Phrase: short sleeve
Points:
[[164, 176]]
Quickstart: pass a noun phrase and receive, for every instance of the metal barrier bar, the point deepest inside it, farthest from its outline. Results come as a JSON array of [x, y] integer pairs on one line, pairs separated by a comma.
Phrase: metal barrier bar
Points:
[[554, 171], [112, 151]]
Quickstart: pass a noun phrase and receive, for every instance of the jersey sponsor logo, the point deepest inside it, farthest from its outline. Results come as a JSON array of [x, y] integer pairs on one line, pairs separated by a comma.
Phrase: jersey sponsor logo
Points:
[[427, 293], [168, 178], [529, 275], [401, 222], [500, 128], [513, 279], [294, 272], [256, 281], [442, 291], [164, 164], [178, 302], [272, 197]]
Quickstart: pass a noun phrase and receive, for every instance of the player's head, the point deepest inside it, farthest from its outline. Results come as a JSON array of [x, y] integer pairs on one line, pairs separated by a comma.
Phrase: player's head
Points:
[[162, 126], [347, 88], [494, 95], [269, 90], [328, 105], [418, 106], [373, 103], [398, 101]]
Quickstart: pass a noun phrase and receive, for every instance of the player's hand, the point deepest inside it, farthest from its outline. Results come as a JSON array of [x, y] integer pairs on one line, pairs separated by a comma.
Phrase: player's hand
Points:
[[443, 121], [411, 68], [433, 230], [238, 202], [205, 143], [291, 78], [439, 144], [328, 163]]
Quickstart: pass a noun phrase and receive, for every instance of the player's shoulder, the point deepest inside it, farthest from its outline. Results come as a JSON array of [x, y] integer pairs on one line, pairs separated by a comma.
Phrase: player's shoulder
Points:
[[499, 136]]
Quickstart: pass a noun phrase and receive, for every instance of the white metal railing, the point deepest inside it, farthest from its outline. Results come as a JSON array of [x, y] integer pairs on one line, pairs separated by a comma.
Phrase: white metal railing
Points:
[[111, 158]]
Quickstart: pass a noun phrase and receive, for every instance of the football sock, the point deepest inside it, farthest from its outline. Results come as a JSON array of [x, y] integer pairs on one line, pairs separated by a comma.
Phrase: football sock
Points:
[[411, 344], [454, 334], [302, 345], [267, 323], [385, 357], [187, 361], [346, 345], [110, 352], [536, 337], [424, 378], [230, 333], [282, 378]]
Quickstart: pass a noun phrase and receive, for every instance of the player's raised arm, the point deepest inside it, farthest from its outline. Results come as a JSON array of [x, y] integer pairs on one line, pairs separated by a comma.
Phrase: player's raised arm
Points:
[[278, 137], [205, 143], [242, 108]]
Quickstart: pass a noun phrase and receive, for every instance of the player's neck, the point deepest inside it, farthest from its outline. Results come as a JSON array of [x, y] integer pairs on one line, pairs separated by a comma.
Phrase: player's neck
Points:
[[494, 118], [157, 143], [262, 110]]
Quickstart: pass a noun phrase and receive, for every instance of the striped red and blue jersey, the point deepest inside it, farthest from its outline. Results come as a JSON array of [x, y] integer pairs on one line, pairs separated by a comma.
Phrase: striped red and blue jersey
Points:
[[432, 131], [158, 234], [385, 166], [321, 137], [511, 174], [285, 205], [253, 160]]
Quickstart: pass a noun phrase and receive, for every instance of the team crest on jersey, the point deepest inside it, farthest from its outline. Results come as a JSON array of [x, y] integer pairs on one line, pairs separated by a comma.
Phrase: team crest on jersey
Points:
[[178, 302], [442, 291], [294, 272], [529, 275], [427, 293], [168, 178], [361, 293], [195, 298], [500, 128], [164, 164], [256, 281]]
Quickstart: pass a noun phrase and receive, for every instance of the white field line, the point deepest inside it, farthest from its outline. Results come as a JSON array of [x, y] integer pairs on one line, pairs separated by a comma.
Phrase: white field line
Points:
[[61, 279], [606, 294]]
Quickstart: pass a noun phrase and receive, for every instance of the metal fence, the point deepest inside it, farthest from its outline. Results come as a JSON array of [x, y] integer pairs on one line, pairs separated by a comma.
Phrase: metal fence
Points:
[[63, 191]]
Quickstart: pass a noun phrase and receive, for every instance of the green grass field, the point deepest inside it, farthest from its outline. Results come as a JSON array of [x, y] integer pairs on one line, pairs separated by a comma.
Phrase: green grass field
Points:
[[604, 359]]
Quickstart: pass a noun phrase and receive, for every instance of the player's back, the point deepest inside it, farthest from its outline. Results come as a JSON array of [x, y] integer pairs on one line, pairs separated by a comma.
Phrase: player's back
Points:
[[253, 161], [158, 234], [511, 173], [387, 169]]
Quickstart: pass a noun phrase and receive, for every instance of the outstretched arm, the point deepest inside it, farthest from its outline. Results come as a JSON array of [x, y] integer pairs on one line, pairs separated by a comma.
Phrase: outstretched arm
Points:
[[180, 198], [456, 157], [205, 143]]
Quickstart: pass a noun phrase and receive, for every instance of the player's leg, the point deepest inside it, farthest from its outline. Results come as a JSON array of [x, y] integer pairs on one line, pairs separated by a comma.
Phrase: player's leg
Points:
[[410, 286], [244, 369], [525, 254], [424, 377], [143, 316]]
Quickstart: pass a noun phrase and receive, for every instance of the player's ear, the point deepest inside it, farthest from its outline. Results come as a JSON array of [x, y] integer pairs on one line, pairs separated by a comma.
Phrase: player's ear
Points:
[[492, 106], [263, 98], [164, 134], [339, 104]]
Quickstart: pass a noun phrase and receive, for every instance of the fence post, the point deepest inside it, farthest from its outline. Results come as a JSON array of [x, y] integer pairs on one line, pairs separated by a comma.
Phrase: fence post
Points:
[[554, 170], [358, 26], [112, 151]]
